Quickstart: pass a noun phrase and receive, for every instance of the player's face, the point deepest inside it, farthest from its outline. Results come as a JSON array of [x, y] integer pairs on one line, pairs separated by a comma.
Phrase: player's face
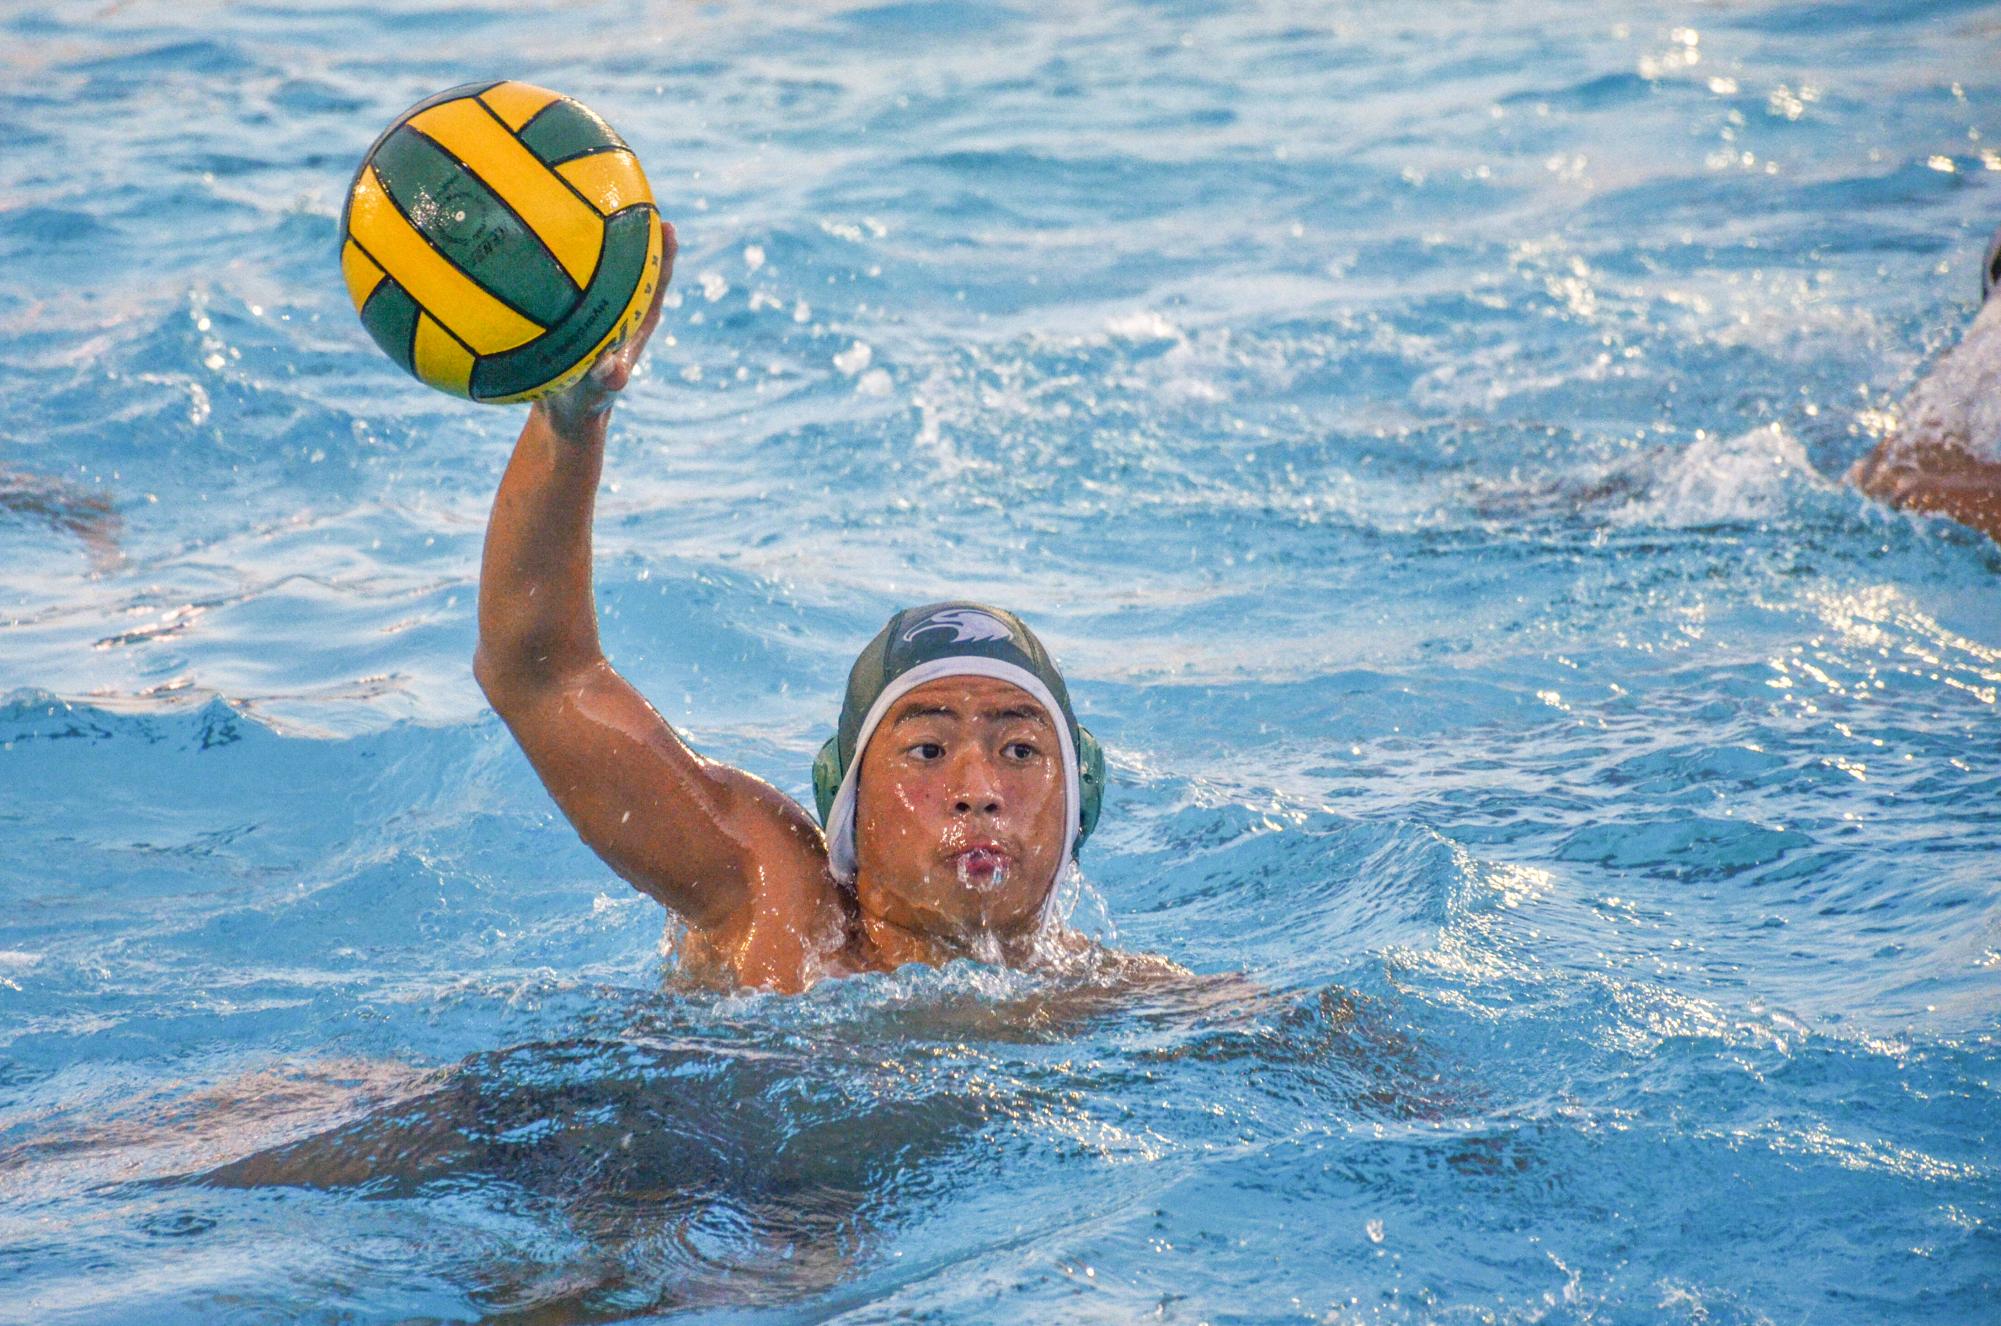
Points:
[[959, 810]]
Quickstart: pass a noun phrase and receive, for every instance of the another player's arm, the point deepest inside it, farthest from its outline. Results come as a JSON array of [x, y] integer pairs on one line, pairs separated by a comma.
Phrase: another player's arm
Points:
[[1940, 456], [703, 838], [1942, 478]]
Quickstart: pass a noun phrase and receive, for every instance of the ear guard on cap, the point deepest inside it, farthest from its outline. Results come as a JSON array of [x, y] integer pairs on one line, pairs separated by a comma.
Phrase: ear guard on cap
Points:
[[1091, 777], [827, 777], [827, 774]]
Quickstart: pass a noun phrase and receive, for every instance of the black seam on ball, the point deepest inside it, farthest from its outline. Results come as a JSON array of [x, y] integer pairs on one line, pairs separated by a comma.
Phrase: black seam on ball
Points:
[[597, 151]]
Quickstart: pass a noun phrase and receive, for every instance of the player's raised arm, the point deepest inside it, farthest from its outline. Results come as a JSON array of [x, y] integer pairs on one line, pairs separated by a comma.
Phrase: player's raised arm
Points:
[[709, 841]]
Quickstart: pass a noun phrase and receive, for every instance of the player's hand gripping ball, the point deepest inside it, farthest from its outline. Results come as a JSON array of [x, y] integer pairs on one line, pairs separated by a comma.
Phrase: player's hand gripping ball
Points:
[[497, 239]]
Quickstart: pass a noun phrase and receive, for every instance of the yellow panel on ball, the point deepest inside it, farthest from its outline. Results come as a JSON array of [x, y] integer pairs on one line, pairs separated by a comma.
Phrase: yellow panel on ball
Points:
[[516, 103], [360, 272], [610, 180], [441, 358]]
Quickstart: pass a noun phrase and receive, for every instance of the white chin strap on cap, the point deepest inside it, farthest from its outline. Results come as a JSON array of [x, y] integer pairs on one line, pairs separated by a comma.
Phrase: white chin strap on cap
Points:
[[841, 817]]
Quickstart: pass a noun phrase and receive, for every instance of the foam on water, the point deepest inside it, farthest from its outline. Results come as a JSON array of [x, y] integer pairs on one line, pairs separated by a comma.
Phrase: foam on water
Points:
[[1725, 481], [1548, 869]]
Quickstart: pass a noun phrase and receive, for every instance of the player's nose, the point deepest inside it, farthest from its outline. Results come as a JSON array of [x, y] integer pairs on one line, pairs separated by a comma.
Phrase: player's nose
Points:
[[975, 789]]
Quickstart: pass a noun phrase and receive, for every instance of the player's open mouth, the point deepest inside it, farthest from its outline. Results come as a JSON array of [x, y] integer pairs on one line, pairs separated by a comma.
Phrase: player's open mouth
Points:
[[983, 865]]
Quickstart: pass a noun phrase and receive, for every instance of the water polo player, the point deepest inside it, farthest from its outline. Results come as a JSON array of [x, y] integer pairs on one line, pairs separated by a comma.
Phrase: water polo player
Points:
[[1944, 455], [954, 793]]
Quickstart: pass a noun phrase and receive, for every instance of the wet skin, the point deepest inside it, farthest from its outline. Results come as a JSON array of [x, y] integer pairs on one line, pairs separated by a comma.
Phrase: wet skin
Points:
[[1944, 454], [959, 818], [959, 813], [1939, 478]]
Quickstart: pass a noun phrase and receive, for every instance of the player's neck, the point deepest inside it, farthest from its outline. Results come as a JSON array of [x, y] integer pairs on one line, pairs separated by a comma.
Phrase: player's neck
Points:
[[889, 946]]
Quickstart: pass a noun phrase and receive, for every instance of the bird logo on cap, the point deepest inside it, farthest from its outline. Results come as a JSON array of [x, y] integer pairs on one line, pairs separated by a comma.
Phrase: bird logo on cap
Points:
[[964, 624]]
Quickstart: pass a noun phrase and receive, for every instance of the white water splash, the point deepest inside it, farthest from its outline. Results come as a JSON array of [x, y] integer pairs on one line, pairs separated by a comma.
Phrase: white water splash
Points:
[[1721, 480], [854, 359], [994, 883], [1142, 325]]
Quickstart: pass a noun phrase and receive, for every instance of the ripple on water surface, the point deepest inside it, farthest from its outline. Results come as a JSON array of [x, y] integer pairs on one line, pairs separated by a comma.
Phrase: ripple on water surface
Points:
[[1564, 813]]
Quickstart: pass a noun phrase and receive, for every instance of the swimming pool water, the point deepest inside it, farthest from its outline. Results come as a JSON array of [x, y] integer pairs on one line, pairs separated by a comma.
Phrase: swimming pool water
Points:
[[1411, 426]]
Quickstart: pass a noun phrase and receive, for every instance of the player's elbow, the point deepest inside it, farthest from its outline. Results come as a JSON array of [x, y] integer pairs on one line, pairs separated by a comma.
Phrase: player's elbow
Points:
[[503, 676], [515, 679], [491, 676]]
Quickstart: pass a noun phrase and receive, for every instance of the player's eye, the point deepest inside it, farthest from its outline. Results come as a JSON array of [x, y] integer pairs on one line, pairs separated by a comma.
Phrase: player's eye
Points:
[[1020, 750], [927, 751]]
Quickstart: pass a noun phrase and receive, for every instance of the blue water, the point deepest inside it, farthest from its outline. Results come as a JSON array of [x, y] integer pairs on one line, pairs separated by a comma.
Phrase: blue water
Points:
[[1411, 426]]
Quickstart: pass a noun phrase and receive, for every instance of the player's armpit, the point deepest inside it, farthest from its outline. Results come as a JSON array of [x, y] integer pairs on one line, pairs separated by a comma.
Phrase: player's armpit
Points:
[[707, 840]]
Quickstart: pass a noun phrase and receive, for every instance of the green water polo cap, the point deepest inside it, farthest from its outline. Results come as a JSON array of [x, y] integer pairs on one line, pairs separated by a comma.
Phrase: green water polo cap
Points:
[[956, 639]]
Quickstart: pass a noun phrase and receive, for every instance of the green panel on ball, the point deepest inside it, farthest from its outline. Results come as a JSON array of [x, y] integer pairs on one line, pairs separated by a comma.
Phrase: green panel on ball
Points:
[[563, 129], [467, 221], [547, 357], [449, 94], [391, 318]]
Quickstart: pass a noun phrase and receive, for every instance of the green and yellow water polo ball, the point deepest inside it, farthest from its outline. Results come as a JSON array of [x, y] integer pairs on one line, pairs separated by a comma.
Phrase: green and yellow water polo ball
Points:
[[498, 236]]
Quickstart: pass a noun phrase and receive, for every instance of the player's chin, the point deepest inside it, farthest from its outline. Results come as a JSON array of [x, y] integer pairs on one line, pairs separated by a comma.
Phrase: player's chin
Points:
[[979, 899]]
